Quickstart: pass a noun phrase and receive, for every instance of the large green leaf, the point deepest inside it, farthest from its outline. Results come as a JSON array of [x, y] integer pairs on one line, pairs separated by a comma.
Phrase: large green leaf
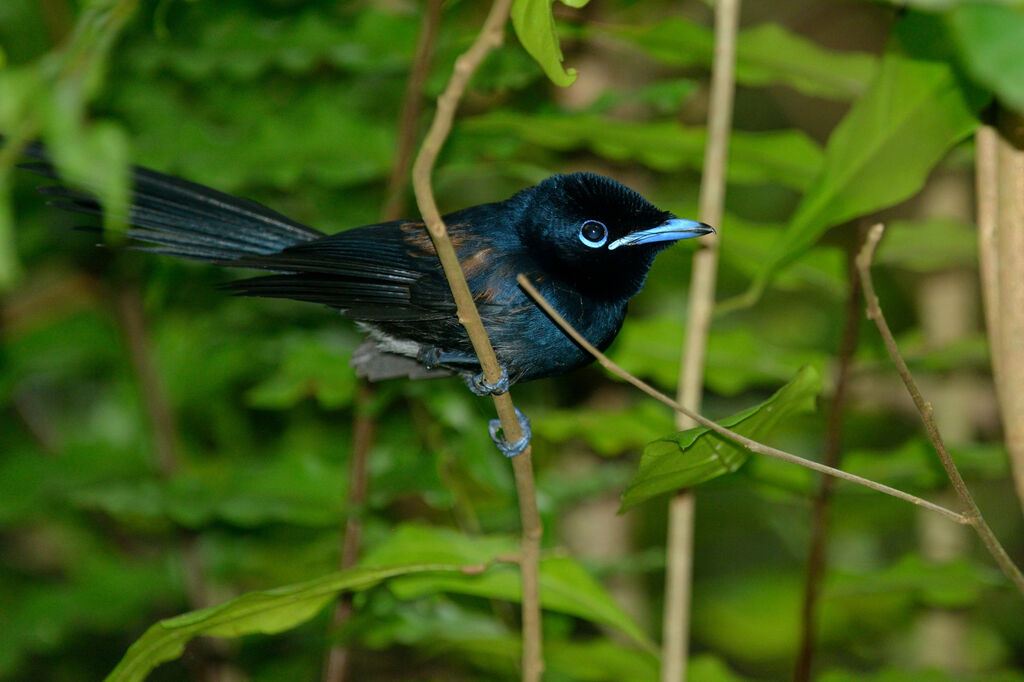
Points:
[[787, 157], [266, 612], [989, 39], [881, 152], [696, 455], [564, 585], [535, 26], [766, 54]]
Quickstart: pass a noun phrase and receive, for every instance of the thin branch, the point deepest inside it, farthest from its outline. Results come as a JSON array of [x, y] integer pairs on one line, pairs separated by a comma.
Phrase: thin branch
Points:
[[831, 457], [363, 427], [973, 515], [749, 444], [412, 104], [490, 36], [682, 507]]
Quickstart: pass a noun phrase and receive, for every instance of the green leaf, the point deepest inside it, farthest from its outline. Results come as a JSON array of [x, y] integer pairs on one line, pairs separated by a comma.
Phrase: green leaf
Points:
[[534, 23], [10, 266], [94, 157], [699, 454], [881, 152], [564, 585], [265, 612], [766, 54], [787, 157], [988, 38]]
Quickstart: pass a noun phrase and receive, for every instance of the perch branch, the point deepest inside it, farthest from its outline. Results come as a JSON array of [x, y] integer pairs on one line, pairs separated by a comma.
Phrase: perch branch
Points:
[[748, 443], [973, 515], [682, 506], [490, 37]]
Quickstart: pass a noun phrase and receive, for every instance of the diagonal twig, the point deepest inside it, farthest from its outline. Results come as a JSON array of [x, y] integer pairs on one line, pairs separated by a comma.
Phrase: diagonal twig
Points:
[[972, 516], [748, 443]]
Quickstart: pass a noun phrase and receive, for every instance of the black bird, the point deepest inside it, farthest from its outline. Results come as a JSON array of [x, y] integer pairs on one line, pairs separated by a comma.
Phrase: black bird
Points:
[[584, 240]]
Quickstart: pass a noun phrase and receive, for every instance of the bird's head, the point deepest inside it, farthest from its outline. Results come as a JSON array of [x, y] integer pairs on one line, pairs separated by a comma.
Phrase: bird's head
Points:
[[597, 234]]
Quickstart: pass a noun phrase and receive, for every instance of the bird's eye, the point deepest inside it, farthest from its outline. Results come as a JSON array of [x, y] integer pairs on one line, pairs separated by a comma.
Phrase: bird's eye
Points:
[[593, 233]]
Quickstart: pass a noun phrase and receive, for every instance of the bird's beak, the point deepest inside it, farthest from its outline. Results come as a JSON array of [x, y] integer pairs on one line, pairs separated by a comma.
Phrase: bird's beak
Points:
[[669, 231]]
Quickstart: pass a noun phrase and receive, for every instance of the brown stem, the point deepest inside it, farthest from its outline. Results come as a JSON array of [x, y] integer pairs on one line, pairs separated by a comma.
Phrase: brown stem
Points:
[[682, 507], [973, 515], [831, 457], [748, 443], [490, 37], [164, 430], [412, 105], [363, 425]]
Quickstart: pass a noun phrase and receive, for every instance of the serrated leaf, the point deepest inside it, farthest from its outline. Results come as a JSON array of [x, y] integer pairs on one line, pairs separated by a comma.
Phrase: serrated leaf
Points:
[[244, 46], [766, 54], [265, 612], [534, 24], [787, 157], [881, 152], [988, 38], [696, 455]]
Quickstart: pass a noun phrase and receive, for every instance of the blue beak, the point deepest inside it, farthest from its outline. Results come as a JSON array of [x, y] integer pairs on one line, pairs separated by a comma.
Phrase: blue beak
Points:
[[669, 231]]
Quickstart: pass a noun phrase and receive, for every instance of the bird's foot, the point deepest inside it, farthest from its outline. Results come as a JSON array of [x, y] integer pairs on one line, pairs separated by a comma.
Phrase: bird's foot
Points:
[[478, 384], [512, 449]]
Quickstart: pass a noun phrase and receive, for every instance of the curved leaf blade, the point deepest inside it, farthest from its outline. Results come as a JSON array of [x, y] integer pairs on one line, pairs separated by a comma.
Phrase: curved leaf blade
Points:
[[534, 24], [697, 455], [265, 612], [881, 152]]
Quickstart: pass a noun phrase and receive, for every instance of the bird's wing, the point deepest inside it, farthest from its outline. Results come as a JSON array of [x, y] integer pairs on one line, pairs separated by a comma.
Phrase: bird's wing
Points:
[[376, 273]]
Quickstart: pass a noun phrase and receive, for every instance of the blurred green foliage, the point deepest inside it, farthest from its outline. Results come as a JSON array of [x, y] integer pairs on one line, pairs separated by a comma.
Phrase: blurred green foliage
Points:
[[127, 497]]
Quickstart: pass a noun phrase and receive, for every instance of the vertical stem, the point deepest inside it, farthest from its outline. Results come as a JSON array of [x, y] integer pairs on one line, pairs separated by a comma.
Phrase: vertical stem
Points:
[[831, 457], [1000, 180], [163, 427], [364, 424], [679, 568]]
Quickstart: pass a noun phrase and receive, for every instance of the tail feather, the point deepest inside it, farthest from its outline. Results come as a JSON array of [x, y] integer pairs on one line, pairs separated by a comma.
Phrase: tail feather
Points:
[[185, 219]]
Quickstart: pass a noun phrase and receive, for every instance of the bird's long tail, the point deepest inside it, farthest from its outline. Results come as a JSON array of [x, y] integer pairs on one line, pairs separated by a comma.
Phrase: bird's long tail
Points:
[[185, 219]]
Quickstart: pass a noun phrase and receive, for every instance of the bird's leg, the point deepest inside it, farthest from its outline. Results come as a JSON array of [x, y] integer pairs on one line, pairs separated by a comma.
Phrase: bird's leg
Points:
[[511, 449], [479, 385]]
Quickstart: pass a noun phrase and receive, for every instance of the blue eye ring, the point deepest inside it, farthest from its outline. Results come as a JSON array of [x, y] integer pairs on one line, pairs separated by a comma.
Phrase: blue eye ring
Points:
[[593, 233]]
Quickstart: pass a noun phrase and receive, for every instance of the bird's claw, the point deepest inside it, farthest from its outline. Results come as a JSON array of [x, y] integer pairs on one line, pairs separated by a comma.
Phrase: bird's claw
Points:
[[512, 449], [478, 384]]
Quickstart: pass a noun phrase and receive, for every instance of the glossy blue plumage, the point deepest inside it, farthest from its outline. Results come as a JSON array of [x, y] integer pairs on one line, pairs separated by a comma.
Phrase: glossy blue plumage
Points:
[[387, 276]]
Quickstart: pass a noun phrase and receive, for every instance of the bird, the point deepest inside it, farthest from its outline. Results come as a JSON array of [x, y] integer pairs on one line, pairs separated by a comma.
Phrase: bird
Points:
[[584, 240]]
